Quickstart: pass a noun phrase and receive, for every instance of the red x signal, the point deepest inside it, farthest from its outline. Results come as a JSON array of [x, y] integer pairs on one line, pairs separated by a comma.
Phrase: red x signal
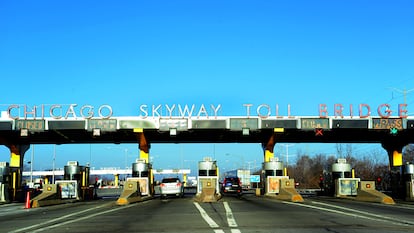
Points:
[[318, 132]]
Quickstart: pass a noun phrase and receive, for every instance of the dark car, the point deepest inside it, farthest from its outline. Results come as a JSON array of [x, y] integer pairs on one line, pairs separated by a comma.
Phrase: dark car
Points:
[[231, 185]]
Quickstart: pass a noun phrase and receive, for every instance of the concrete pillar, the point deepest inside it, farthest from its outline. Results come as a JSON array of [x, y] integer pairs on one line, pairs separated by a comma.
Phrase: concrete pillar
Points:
[[268, 148], [394, 149], [144, 148], [16, 168]]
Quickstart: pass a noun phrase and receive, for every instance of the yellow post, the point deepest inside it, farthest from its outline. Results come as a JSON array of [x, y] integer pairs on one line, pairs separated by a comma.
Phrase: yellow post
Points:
[[185, 179], [116, 182], [83, 179], [353, 173], [285, 171], [14, 184]]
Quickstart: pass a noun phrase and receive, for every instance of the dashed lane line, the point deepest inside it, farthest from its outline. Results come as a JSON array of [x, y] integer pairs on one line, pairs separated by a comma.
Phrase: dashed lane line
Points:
[[206, 217], [229, 215]]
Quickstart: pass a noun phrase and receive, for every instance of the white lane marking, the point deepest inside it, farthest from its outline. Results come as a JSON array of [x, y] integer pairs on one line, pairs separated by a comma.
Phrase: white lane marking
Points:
[[218, 231], [55, 220], [205, 216], [235, 231], [80, 219], [344, 213], [73, 220], [229, 214], [361, 212]]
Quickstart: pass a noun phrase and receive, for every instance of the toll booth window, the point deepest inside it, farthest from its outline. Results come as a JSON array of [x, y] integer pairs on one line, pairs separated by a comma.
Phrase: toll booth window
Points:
[[347, 174], [273, 173], [212, 173], [336, 175], [140, 174], [202, 172]]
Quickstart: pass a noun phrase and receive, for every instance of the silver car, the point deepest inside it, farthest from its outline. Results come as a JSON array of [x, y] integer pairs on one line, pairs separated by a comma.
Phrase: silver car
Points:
[[171, 187]]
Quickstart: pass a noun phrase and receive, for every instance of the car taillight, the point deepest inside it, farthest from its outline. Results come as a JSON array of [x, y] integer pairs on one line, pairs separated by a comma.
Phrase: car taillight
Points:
[[162, 185], [178, 184]]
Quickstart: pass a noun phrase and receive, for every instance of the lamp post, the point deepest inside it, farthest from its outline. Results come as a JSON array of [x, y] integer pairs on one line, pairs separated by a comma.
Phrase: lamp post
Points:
[[241, 157], [287, 152], [31, 166], [53, 164], [125, 153]]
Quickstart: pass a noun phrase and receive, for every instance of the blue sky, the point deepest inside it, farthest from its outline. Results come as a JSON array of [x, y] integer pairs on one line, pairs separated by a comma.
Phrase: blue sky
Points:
[[130, 53]]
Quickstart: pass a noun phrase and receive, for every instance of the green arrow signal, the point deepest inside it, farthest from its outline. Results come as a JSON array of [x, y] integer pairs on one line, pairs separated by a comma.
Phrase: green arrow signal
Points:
[[393, 131]]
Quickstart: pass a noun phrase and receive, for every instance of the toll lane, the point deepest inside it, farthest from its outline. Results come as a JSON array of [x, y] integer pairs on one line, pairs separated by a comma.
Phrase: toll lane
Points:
[[230, 214]]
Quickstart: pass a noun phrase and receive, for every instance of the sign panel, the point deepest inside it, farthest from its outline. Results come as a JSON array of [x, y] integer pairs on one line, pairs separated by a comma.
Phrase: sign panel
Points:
[[410, 124], [207, 182], [103, 124], [69, 188], [133, 124], [208, 124], [243, 123], [348, 186], [5, 125], [313, 123], [287, 124], [66, 124], [350, 124], [143, 184], [387, 123], [273, 184], [179, 124], [32, 125], [255, 178]]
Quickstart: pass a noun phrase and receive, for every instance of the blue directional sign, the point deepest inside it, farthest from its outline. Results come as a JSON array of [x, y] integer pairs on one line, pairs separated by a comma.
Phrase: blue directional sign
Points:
[[255, 178]]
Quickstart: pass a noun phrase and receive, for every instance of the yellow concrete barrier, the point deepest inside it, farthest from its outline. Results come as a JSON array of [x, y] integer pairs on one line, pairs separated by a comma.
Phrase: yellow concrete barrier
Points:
[[50, 195], [208, 190], [287, 191], [207, 195], [367, 192], [130, 194]]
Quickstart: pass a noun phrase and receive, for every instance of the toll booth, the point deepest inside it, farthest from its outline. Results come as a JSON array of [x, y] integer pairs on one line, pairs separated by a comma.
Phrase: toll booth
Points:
[[141, 172], [75, 183], [276, 184], [408, 178], [339, 181], [272, 173], [4, 182], [208, 189]]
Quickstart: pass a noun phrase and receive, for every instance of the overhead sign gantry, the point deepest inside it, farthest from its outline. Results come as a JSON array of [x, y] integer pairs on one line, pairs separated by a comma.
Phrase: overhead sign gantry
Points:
[[23, 125]]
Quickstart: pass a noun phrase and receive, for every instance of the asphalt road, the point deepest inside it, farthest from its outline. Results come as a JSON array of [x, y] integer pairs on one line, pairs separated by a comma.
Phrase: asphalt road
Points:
[[230, 214]]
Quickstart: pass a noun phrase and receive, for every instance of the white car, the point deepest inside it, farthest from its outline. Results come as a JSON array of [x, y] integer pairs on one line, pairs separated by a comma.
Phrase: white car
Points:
[[171, 187]]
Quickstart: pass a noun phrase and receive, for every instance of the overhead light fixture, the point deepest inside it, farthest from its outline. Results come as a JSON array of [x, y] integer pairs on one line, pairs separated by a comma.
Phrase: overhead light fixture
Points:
[[24, 132], [173, 132], [96, 132], [245, 131]]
